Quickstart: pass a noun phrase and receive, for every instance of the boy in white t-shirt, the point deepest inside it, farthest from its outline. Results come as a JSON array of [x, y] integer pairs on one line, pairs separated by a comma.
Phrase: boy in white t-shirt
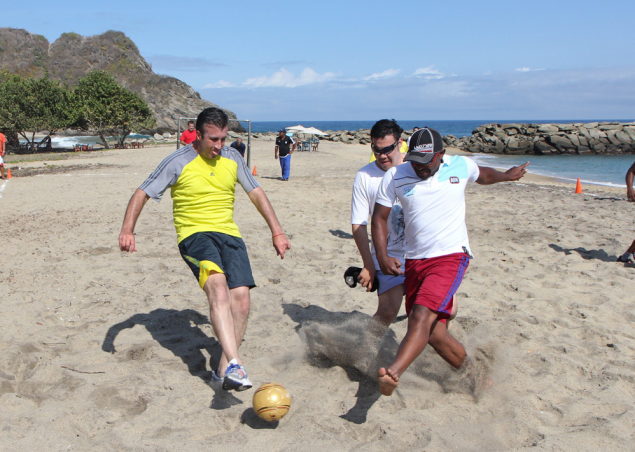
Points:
[[431, 189], [385, 137]]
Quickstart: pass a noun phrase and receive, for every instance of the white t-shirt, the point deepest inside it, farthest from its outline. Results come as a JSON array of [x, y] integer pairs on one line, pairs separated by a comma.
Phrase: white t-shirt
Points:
[[434, 209], [365, 189]]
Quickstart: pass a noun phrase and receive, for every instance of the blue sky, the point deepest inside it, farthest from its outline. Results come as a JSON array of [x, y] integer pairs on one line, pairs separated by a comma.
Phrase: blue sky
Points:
[[347, 60]]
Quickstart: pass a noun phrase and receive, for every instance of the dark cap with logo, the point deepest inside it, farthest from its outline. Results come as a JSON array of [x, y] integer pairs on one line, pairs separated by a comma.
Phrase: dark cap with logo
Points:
[[423, 145], [282, 131]]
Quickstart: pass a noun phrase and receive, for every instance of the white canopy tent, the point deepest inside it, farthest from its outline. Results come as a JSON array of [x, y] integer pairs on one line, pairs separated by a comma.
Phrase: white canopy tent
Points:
[[310, 144]]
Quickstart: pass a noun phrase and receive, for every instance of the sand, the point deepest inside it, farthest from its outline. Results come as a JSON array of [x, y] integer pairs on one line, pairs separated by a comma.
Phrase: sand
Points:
[[101, 350]]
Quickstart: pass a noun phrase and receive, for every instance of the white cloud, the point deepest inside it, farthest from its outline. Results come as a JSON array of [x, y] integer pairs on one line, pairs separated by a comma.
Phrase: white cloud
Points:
[[580, 93], [219, 84], [388, 73], [527, 69], [429, 73], [281, 79]]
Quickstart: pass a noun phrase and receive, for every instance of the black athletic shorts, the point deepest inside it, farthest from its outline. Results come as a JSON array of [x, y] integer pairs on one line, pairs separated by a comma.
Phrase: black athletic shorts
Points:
[[206, 252]]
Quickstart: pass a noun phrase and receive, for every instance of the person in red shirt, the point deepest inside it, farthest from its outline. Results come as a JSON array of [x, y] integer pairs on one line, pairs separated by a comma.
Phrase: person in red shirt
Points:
[[3, 145], [189, 135]]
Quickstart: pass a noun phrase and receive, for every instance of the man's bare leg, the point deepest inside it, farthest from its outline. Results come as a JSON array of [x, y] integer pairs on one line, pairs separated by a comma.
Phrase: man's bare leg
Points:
[[220, 315], [454, 311], [388, 305], [421, 323], [241, 303]]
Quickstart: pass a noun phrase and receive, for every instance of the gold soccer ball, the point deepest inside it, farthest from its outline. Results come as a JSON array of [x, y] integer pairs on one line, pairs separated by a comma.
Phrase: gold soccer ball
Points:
[[271, 402]]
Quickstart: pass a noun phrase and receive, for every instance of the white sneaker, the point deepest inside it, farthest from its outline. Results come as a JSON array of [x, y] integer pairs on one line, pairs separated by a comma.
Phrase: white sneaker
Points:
[[236, 377]]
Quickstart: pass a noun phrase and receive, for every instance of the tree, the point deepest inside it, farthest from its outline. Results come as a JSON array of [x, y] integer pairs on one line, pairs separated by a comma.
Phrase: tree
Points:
[[107, 108], [32, 106]]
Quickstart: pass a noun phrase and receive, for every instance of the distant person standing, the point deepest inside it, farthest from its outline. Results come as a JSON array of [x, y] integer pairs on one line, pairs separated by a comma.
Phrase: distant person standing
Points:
[[239, 146], [3, 146], [627, 257], [188, 136], [284, 148]]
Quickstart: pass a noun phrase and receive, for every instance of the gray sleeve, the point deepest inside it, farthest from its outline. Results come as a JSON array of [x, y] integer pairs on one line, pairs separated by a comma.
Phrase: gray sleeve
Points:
[[168, 172], [243, 174]]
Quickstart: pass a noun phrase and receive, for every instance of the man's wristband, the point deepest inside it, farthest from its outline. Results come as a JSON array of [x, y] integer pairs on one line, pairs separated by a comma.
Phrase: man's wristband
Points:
[[282, 233]]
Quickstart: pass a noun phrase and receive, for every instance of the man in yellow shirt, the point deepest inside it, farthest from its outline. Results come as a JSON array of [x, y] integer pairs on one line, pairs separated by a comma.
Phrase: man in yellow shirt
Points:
[[202, 177]]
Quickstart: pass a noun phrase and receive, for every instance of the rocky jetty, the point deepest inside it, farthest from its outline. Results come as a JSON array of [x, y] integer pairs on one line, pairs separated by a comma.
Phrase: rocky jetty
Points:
[[72, 56], [577, 138]]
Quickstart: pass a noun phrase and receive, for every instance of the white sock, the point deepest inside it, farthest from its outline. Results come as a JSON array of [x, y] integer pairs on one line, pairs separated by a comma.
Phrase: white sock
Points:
[[625, 256]]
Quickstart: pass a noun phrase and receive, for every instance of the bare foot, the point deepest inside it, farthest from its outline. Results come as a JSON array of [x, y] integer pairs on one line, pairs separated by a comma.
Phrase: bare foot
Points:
[[388, 381]]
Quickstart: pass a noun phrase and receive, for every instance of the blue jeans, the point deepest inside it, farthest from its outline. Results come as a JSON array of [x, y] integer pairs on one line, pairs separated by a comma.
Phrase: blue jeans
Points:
[[285, 164]]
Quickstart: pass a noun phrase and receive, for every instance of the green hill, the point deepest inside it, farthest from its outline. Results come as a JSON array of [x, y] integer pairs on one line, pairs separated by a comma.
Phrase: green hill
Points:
[[72, 56]]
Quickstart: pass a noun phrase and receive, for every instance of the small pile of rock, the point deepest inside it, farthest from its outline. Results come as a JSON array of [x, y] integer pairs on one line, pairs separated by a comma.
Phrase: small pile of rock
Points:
[[577, 138], [162, 137]]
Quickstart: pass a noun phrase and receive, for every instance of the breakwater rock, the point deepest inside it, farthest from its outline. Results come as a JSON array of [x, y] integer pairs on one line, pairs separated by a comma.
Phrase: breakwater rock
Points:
[[577, 138]]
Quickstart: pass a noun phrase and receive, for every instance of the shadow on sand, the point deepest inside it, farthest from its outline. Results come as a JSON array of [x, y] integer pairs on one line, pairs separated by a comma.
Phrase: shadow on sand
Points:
[[179, 332], [586, 254]]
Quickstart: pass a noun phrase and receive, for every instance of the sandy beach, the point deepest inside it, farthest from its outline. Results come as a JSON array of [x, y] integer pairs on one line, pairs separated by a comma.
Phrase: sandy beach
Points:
[[101, 350]]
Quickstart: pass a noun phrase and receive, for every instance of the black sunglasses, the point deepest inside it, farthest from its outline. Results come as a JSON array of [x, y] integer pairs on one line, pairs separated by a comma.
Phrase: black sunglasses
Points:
[[387, 150]]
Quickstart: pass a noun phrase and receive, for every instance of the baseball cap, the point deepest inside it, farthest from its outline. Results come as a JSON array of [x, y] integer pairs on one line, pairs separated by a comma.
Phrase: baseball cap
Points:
[[423, 145], [282, 130]]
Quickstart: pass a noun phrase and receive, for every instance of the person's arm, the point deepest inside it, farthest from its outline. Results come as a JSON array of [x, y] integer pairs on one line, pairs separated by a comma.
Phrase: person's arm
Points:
[[367, 275], [260, 200], [630, 175], [489, 176], [4, 147], [379, 232], [276, 152], [135, 206], [292, 146]]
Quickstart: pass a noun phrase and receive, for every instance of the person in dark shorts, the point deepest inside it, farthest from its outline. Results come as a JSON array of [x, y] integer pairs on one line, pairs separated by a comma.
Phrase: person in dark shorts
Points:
[[202, 177], [431, 189], [284, 148]]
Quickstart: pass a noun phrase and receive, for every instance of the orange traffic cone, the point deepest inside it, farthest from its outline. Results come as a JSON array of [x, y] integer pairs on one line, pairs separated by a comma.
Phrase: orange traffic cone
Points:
[[255, 171], [578, 187], [9, 176]]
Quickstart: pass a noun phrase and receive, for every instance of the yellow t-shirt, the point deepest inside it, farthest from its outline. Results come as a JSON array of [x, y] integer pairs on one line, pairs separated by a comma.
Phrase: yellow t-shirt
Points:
[[203, 190]]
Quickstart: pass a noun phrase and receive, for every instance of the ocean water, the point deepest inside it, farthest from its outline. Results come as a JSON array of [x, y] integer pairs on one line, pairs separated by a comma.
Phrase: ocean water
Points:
[[70, 141], [591, 169]]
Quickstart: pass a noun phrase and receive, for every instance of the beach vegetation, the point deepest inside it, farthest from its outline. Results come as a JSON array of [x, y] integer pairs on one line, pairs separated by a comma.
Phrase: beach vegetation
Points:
[[30, 106], [70, 35], [107, 108]]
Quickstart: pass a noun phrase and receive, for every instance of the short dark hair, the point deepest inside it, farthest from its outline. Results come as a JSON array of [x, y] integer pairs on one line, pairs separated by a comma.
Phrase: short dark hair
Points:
[[211, 115], [385, 127], [190, 122]]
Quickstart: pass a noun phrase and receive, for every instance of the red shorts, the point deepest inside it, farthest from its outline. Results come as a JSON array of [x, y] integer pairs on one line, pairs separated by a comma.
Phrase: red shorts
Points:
[[433, 282]]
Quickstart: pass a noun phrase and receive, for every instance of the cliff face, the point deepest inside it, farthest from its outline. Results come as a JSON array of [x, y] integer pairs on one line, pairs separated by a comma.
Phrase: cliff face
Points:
[[72, 56]]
